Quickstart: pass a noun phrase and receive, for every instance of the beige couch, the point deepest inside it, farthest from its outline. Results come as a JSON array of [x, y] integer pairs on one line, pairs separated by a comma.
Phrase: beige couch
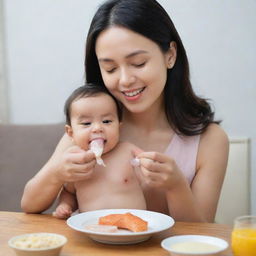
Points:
[[24, 149]]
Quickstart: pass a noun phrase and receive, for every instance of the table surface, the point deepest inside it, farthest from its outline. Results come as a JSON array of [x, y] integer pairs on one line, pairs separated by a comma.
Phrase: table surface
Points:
[[14, 223]]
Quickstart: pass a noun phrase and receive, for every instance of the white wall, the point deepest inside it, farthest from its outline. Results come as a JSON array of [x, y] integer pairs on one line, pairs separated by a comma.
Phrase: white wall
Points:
[[45, 53], [3, 84]]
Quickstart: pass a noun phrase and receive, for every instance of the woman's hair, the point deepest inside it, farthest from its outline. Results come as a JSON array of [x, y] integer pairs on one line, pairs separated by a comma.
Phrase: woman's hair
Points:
[[88, 90], [187, 113]]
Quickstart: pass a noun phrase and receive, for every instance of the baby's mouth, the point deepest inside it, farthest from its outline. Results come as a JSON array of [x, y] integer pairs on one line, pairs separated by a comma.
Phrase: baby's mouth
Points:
[[97, 138]]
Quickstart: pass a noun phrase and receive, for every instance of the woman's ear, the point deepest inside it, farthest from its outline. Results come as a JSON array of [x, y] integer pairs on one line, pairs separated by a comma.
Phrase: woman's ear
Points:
[[171, 55], [69, 130]]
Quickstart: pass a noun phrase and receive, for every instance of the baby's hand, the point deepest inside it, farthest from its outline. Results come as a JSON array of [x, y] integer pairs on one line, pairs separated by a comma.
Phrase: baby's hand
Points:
[[62, 212]]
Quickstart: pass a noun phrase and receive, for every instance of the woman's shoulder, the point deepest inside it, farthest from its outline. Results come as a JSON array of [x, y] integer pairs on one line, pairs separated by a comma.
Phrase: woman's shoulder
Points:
[[214, 132], [213, 146]]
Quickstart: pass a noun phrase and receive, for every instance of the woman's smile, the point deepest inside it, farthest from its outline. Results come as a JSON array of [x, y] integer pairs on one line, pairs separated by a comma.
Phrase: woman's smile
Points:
[[134, 94]]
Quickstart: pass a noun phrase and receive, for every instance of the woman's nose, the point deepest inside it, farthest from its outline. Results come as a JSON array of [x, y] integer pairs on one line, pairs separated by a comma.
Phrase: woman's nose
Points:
[[126, 77]]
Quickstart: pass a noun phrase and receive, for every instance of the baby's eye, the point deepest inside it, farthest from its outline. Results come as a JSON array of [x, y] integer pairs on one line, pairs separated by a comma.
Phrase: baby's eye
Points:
[[107, 121], [86, 123]]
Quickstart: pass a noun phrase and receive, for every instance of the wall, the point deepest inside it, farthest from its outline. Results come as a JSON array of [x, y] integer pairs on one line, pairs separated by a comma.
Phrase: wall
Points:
[[3, 84], [45, 51]]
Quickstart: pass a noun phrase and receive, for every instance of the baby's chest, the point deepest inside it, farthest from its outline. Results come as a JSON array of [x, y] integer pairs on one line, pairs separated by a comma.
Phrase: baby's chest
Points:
[[118, 166], [118, 173], [113, 175]]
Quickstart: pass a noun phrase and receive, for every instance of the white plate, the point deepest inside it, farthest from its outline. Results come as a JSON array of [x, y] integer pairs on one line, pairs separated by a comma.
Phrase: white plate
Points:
[[215, 241], [157, 222]]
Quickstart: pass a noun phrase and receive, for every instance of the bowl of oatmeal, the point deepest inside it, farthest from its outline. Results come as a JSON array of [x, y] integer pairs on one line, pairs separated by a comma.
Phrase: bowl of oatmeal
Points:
[[37, 244]]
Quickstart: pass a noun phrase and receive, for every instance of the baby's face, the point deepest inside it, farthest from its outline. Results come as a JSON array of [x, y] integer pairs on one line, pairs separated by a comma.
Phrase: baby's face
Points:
[[95, 117]]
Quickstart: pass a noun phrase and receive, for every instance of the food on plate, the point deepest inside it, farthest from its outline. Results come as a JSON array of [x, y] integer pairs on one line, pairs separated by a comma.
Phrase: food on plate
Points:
[[126, 221], [110, 219], [97, 147], [102, 228]]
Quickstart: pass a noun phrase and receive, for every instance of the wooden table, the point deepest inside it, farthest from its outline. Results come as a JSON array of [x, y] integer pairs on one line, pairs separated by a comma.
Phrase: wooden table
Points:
[[13, 223]]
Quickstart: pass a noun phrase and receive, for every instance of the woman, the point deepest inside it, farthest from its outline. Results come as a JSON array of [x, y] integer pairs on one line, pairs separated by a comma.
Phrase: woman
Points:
[[135, 51]]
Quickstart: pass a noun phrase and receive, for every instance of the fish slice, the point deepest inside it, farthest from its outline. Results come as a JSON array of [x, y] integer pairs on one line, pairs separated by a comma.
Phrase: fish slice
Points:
[[97, 147]]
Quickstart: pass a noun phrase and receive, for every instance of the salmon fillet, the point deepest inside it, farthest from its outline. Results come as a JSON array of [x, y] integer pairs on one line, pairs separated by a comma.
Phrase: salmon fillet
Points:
[[126, 220], [111, 219]]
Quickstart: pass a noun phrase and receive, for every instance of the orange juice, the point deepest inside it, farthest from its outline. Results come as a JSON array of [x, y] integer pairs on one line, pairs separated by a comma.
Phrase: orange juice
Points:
[[244, 241]]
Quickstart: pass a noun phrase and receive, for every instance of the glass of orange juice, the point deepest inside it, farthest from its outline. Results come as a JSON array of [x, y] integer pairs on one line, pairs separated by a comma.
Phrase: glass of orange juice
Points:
[[244, 236]]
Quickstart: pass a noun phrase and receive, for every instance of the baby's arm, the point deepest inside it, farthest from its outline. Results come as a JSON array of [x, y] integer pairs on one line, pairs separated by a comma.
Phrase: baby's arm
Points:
[[67, 202]]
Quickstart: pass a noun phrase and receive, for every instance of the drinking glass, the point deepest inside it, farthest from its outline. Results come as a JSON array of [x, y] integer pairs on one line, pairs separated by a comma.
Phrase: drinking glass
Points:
[[244, 236]]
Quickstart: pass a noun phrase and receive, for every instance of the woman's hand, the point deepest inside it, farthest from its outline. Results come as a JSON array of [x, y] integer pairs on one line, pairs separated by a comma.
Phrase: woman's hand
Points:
[[75, 164], [159, 170]]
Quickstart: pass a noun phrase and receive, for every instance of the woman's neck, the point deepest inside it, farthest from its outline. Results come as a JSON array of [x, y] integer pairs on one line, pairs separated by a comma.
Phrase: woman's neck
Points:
[[149, 131], [151, 120]]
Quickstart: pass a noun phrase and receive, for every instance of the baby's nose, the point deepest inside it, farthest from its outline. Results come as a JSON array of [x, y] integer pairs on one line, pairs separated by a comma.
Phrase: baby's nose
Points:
[[97, 127]]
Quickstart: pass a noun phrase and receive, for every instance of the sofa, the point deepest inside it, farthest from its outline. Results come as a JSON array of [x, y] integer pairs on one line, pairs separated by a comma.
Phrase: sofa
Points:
[[24, 149]]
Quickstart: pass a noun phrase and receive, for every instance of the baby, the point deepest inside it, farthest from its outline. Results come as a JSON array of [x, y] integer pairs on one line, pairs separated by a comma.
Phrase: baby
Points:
[[93, 118]]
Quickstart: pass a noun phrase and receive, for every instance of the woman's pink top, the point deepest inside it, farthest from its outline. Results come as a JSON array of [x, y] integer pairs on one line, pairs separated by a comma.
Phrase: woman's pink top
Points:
[[183, 149]]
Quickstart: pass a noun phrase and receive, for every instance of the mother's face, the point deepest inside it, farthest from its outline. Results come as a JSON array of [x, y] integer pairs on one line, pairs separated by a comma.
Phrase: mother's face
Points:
[[133, 68]]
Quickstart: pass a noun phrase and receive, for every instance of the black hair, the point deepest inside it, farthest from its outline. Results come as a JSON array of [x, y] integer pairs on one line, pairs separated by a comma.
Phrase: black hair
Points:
[[88, 90], [187, 113]]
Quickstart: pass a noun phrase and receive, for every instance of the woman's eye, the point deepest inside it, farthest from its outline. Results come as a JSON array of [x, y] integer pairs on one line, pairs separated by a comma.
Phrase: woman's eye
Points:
[[107, 121], [140, 65], [110, 70]]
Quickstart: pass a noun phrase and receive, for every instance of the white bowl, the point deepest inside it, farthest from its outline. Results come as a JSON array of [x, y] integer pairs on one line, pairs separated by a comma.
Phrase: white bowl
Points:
[[188, 245], [37, 244]]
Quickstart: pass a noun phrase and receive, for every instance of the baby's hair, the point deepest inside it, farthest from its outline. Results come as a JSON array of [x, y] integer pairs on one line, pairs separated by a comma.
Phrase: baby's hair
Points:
[[88, 90]]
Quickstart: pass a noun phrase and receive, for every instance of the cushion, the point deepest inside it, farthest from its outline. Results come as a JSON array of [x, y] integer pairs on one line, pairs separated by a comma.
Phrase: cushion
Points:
[[24, 149]]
